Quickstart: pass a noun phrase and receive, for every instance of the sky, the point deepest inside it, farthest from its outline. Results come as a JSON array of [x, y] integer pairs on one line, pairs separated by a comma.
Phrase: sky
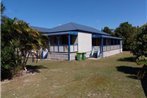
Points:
[[94, 13]]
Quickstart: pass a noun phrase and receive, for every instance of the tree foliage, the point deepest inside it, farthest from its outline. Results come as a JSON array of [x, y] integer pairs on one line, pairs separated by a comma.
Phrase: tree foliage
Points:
[[17, 34], [17, 42], [108, 30], [127, 32], [140, 46]]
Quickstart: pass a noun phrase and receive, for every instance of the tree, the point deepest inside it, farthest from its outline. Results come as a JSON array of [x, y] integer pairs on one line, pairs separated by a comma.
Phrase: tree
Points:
[[2, 7], [18, 40], [8, 66], [21, 37], [127, 32], [140, 49], [108, 30]]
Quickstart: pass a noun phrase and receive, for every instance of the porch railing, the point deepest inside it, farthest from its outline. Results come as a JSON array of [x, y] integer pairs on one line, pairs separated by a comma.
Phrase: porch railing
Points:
[[107, 48], [63, 48], [111, 47], [96, 48]]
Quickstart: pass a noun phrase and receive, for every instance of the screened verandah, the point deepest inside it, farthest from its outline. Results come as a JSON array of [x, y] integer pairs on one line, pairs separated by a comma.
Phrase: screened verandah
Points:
[[62, 46], [102, 44], [108, 44], [66, 45], [60, 43]]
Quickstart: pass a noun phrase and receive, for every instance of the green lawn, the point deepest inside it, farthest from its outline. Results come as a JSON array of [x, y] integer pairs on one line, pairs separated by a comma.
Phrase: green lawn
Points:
[[111, 77]]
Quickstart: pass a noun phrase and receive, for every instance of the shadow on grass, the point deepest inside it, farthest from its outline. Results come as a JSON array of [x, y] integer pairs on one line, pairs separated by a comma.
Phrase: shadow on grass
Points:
[[8, 74], [35, 68], [128, 69], [127, 59], [133, 71], [144, 84]]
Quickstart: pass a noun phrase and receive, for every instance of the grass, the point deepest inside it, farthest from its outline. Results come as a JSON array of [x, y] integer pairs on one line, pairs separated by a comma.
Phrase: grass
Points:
[[105, 78]]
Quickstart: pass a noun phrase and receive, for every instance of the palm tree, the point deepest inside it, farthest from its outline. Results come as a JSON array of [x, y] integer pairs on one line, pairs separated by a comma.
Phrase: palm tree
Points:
[[27, 39], [17, 34], [17, 41]]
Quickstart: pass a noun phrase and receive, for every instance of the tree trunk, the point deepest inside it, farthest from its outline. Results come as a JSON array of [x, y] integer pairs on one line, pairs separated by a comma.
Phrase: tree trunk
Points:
[[24, 60]]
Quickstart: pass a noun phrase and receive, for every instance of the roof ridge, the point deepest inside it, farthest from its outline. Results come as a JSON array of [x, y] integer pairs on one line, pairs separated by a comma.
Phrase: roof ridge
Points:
[[84, 25], [73, 24]]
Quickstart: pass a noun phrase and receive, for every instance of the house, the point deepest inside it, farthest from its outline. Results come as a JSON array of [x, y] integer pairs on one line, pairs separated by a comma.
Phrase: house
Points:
[[66, 40]]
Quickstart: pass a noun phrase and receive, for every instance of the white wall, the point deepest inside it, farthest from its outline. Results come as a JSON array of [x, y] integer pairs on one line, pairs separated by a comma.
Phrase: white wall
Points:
[[111, 52], [84, 42]]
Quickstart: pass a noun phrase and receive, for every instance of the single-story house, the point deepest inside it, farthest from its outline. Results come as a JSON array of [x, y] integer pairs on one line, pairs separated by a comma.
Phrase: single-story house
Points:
[[66, 40]]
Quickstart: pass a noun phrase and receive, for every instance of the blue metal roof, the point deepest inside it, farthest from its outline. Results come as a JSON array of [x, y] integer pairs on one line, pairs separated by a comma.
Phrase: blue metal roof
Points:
[[113, 37], [105, 36], [40, 29], [76, 27], [70, 27]]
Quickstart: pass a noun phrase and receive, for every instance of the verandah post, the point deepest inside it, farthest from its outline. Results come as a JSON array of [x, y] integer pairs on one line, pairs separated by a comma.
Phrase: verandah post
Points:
[[102, 46], [68, 47], [58, 38], [121, 47]]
